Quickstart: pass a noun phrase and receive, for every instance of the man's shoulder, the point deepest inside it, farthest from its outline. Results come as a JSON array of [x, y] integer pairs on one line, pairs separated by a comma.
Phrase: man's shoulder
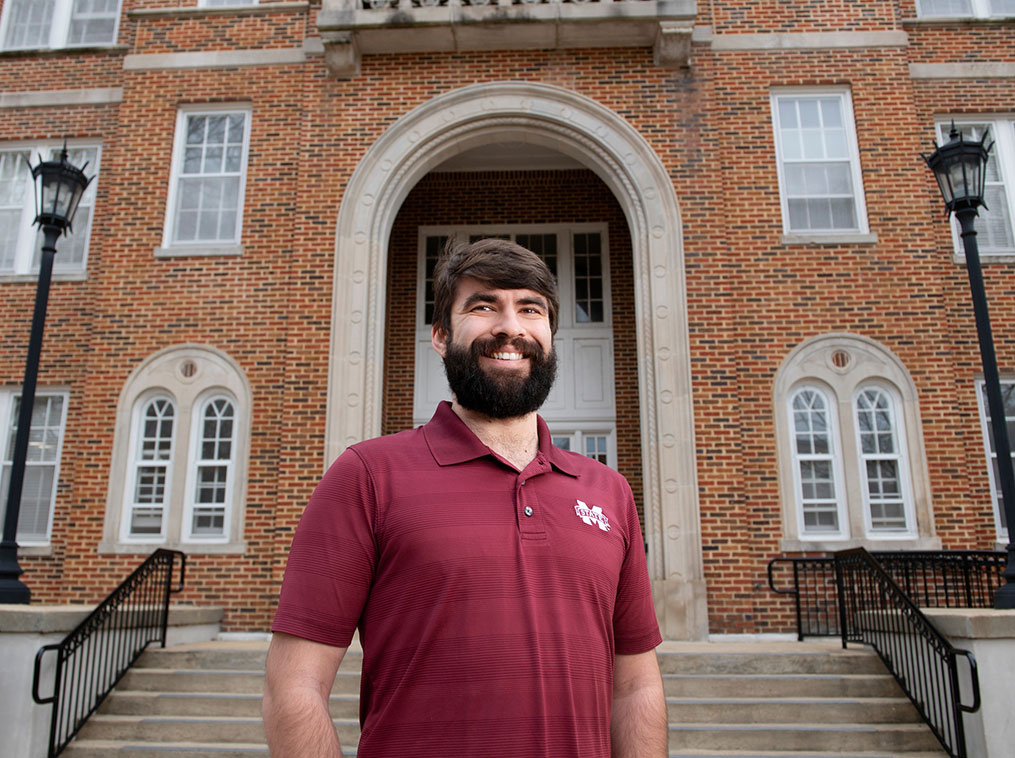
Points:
[[399, 443]]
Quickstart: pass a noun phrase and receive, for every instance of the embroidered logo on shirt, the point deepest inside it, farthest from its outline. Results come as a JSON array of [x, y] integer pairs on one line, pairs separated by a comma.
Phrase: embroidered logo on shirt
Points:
[[592, 516]]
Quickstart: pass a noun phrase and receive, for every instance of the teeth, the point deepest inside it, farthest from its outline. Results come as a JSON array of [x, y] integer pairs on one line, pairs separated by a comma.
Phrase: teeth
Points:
[[508, 356]]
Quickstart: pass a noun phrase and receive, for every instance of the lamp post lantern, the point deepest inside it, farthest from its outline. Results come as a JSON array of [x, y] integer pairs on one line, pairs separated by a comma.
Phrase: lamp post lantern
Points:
[[960, 169], [58, 190]]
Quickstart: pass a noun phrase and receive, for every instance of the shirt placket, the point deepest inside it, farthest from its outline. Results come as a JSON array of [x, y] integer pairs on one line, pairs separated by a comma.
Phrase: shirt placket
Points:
[[527, 506]]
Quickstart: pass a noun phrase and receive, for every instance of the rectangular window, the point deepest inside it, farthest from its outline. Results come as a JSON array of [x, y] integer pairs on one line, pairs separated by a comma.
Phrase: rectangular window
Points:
[[995, 233], [42, 465], [34, 24], [208, 178], [1008, 399], [818, 161], [964, 8], [600, 445], [20, 239]]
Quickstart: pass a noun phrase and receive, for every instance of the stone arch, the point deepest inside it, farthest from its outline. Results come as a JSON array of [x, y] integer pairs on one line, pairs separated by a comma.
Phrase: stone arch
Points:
[[601, 140]]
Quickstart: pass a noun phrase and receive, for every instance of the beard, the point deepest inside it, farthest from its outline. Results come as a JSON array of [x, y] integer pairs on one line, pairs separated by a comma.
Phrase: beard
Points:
[[499, 393]]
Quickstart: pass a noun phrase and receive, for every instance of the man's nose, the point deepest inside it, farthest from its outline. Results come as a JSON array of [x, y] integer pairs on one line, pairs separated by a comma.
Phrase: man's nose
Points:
[[509, 324]]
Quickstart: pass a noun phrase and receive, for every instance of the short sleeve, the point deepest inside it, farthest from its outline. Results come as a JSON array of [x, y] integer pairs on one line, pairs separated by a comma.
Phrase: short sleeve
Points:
[[635, 627], [332, 559]]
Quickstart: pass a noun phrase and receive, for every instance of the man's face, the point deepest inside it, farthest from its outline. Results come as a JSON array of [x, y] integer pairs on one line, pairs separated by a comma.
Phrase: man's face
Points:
[[499, 357]]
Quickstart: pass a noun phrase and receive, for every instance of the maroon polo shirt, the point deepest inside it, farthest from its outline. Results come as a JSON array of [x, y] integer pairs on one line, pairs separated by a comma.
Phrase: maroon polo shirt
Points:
[[490, 603]]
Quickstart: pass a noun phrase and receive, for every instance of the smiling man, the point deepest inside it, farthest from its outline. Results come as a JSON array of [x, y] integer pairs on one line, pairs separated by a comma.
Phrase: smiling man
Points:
[[498, 583]]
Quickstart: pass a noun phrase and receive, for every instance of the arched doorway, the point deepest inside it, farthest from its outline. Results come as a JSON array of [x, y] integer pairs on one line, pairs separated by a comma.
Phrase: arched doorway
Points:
[[598, 139]]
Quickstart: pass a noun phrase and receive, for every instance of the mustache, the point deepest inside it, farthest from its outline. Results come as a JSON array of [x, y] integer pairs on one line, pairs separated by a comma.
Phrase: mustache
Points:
[[489, 345]]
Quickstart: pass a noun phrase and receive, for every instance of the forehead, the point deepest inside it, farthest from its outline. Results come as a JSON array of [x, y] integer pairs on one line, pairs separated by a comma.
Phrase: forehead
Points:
[[470, 289]]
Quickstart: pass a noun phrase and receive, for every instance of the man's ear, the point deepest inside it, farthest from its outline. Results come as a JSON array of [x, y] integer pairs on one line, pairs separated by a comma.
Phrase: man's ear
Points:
[[439, 339]]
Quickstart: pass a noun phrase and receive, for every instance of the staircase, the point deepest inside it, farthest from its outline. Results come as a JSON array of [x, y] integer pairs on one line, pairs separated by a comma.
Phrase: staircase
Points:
[[763, 700]]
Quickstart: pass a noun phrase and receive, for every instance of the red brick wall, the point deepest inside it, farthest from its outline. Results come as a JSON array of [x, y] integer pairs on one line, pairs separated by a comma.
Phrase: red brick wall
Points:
[[751, 297], [518, 197]]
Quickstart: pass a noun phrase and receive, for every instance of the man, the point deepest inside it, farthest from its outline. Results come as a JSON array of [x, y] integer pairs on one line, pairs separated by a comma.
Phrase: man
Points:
[[498, 583]]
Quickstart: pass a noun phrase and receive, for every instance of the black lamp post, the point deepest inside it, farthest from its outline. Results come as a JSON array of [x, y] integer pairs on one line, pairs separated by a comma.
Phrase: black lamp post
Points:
[[58, 190], [960, 168]]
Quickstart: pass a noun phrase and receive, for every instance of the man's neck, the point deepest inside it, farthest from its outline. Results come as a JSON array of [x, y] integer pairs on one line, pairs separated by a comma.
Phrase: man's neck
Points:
[[516, 440]]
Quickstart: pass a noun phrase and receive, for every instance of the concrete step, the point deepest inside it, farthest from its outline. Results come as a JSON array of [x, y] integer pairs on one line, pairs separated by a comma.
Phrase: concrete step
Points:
[[824, 662], [788, 686], [208, 729], [765, 701], [798, 710], [135, 703], [887, 738]]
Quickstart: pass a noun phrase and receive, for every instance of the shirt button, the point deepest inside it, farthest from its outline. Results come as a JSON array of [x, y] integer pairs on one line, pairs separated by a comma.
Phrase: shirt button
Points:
[[528, 510], [523, 482]]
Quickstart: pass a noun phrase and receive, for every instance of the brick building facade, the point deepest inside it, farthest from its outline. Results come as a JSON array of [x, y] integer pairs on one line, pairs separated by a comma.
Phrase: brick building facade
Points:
[[771, 329]]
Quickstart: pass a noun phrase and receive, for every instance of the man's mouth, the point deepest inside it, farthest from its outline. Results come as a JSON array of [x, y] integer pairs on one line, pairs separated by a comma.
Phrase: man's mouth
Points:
[[505, 356]]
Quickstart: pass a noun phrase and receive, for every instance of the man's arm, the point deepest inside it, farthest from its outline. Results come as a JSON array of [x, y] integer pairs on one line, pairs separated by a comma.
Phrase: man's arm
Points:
[[298, 678], [638, 727]]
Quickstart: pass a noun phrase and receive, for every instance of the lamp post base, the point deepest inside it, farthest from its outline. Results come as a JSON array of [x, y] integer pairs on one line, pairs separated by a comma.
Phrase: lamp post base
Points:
[[12, 589]]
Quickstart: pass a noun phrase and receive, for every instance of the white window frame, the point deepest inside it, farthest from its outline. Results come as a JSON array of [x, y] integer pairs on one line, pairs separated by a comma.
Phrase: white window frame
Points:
[[194, 463], [7, 397], [856, 174], [576, 433], [902, 461], [59, 28], [834, 456], [841, 365], [28, 235], [137, 425], [978, 8], [995, 487], [190, 376], [1002, 132], [171, 247]]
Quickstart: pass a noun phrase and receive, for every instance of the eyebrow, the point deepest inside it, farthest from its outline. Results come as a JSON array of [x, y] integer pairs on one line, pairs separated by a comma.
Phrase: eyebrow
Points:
[[487, 297]]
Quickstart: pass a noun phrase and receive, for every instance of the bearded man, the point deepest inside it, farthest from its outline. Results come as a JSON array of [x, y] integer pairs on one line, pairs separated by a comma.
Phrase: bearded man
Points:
[[498, 583]]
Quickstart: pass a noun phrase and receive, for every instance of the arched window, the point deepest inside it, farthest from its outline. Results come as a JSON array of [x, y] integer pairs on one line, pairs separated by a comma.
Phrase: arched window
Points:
[[211, 464], [817, 466], [850, 449], [179, 455], [151, 468]]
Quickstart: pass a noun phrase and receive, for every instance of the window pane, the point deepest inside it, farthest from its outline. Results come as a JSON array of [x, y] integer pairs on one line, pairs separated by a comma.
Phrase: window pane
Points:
[[39, 484], [945, 7], [28, 23], [815, 462], [817, 172], [1008, 401], [588, 278], [208, 190], [14, 193], [877, 431], [93, 22]]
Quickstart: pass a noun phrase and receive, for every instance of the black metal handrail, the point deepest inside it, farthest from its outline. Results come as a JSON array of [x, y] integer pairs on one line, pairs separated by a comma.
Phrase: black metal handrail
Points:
[[931, 579], [93, 658], [876, 611]]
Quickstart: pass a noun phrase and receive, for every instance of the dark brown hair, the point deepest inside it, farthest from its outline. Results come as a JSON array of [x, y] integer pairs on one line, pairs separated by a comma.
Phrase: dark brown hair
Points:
[[497, 263]]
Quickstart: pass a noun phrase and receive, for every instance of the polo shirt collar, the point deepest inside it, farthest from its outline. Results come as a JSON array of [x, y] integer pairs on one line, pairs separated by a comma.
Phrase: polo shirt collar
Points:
[[451, 441]]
